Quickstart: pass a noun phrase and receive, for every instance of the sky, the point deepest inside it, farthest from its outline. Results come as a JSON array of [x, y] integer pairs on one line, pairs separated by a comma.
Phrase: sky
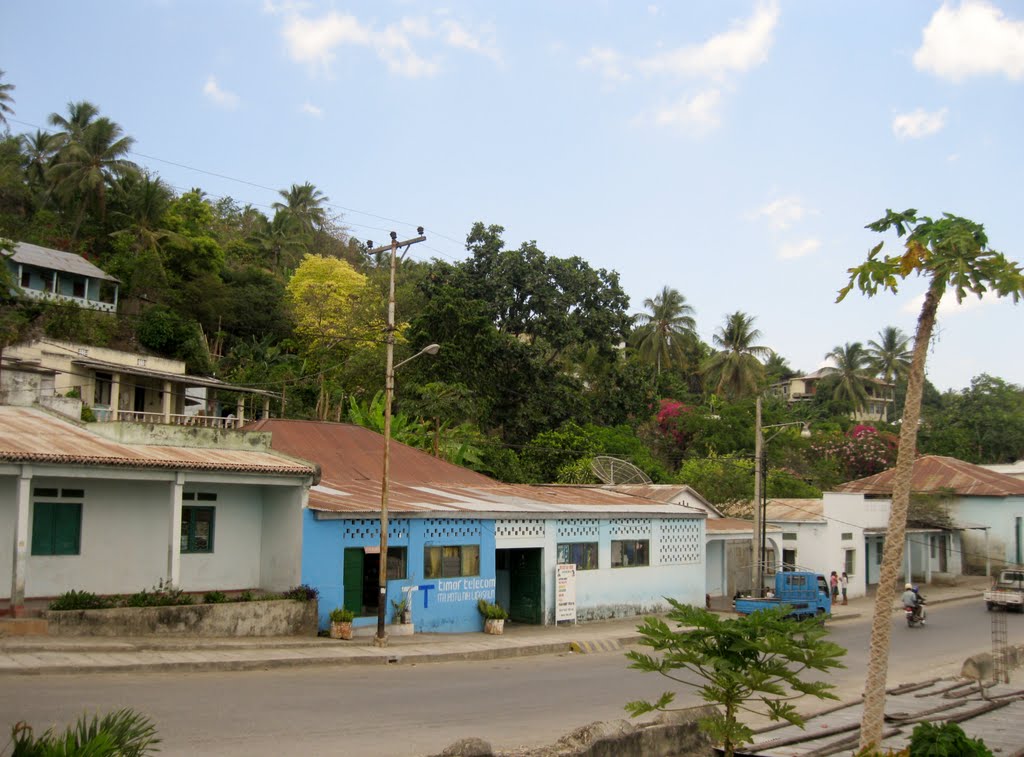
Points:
[[732, 150]]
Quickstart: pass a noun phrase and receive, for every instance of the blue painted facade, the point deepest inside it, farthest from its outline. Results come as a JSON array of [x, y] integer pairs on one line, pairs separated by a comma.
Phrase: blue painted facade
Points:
[[438, 604], [676, 548]]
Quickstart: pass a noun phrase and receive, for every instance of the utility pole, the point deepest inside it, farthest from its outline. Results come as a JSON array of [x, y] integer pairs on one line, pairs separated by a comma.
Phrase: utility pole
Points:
[[757, 574], [381, 640]]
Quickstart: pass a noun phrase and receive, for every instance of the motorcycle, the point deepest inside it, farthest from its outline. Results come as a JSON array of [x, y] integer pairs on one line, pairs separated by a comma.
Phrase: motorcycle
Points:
[[915, 615]]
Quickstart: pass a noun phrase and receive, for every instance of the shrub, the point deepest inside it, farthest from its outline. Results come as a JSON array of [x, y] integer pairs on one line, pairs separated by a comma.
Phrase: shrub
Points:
[[946, 740], [214, 597], [301, 593], [341, 615], [162, 595], [124, 733], [491, 610], [246, 596], [88, 415], [79, 600]]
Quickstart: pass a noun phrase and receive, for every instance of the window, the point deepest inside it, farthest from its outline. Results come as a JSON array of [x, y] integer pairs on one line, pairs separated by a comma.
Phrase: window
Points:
[[197, 529], [78, 288], [26, 278], [396, 563], [101, 395], [451, 562], [789, 537], [583, 554], [850, 562], [847, 536], [199, 496], [631, 553], [56, 528]]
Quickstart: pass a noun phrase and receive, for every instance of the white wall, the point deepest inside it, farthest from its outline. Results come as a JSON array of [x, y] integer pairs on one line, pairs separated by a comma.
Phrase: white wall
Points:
[[8, 515], [281, 537], [237, 539], [715, 570]]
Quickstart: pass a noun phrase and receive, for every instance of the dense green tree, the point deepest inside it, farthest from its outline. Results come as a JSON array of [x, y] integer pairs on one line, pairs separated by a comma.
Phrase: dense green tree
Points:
[[951, 252], [305, 204], [735, 370], [889, 357], [660, 336], [852, 372], [981, 424]]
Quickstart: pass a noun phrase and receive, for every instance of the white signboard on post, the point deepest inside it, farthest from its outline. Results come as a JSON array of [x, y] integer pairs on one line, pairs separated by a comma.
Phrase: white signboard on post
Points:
[[565, 592]]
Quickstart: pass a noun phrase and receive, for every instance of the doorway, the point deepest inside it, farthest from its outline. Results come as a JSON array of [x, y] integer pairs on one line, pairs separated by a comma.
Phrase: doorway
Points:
[[524, 571], [361, 577]]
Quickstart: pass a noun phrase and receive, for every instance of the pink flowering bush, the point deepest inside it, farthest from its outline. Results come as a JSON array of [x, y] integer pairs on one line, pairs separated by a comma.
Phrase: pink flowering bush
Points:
[[863, 451]]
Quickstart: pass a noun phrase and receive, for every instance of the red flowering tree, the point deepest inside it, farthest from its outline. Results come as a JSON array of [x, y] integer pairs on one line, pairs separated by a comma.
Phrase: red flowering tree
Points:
[[863, 451]]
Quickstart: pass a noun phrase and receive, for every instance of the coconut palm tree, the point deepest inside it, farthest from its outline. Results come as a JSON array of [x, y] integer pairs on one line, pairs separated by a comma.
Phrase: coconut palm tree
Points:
[[80, 115], [305, 203], [853, 371], [39, 150], [890, 355], [661, 335], [88, 162], [735, 369], [145, 200], [5, 100]]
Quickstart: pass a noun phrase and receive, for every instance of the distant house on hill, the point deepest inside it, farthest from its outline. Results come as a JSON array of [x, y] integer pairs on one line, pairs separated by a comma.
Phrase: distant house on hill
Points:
[[987, 505], [804, 389], [46, 274]]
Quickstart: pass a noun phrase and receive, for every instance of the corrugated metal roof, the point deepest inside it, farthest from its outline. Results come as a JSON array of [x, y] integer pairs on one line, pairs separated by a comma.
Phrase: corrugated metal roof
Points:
[[795, 509], [351, 462], [734, 525], [934, 473], [30, 435], [178, 378], [69, 262], [665, 493]]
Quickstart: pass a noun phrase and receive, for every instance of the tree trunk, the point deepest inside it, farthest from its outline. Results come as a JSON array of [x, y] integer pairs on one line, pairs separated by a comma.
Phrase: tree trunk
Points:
[[895, 535]]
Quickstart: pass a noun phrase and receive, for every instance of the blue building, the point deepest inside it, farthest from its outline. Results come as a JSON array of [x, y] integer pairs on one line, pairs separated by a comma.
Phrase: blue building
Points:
[[456, 536]]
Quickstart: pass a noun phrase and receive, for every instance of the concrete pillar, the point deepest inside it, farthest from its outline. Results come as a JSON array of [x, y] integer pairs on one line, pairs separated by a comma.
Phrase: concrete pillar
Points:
[[166, 404], [174, 532], [928, 563], [988, 556], [240, 412], [115, 395], [20, 561], [266, 407]]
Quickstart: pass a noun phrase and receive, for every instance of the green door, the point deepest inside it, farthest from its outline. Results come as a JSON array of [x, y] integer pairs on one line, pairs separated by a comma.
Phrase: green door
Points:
[[525, 586], [353, 580]]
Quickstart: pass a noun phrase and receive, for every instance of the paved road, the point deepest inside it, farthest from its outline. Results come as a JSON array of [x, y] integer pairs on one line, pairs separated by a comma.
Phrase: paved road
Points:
[[416, 709]]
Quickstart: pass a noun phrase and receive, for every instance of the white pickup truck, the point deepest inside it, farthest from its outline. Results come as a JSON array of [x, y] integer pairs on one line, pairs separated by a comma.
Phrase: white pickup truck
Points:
[[1008, 591]]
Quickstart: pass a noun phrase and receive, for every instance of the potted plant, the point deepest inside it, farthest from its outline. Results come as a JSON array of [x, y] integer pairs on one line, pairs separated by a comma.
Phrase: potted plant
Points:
[[494, 616], [402, 611], [341, 623]]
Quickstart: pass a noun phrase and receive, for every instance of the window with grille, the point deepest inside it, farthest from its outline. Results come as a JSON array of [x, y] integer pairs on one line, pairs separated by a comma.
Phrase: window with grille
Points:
[[451, 562], [197, 529], [583, 554], [631, 553]]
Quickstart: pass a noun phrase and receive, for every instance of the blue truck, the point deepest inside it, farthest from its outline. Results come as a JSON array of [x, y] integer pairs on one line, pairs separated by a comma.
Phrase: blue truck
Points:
[[806, 593]]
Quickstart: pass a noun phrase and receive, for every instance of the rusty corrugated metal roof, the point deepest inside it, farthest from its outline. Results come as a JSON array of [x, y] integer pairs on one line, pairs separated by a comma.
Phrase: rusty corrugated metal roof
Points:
[[30, 435], [794, 509], [935, 473], [664, 493], [734, 525], [351, 462]]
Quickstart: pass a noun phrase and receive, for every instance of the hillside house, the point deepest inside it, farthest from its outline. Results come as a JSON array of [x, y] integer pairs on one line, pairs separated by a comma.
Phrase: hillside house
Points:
[[881, 395], [47, 274]]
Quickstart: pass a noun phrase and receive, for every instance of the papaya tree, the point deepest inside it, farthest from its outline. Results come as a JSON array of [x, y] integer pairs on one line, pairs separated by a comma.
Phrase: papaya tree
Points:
[[952, 253]]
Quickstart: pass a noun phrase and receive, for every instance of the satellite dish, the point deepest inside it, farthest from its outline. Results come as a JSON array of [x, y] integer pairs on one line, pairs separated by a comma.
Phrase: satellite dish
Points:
[[612, 470]]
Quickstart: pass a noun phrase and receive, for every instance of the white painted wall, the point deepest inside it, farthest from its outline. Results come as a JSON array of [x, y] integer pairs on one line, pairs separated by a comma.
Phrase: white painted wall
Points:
[[237, 539], [715, 568], [281, 537], [8, 515]]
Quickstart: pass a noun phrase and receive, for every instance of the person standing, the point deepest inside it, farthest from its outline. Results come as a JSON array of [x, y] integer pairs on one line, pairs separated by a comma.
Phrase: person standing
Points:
[[844, 582], [833, 582]]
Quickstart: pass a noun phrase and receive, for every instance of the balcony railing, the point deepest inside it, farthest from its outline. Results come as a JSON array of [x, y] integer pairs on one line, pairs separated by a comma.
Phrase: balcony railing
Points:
[[176, 419]]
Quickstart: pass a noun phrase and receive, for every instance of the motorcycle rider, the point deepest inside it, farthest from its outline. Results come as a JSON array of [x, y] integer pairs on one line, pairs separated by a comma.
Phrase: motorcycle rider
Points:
[[912, 600]]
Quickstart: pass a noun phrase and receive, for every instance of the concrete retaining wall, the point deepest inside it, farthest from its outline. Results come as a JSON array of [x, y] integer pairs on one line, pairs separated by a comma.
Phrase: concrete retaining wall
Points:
[[263, 618], [979, 667]]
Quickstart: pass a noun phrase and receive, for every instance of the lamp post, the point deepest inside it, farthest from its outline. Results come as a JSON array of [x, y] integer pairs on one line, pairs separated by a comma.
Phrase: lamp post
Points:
[[759, 536], [381, 640]]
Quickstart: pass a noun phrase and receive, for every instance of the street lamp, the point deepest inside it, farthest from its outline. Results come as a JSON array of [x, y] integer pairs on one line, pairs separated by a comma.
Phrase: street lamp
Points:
[[759, 537], [381, 640]]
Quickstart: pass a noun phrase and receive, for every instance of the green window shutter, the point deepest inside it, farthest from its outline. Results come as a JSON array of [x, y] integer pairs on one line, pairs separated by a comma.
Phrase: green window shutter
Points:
[[353, 580], [67, 528], [42, 528]]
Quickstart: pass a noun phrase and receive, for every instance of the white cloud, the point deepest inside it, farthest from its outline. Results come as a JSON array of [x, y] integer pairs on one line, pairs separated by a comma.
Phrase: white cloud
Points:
[[315, 40], [698, 114], [459, 37], [220, 97], [740, 49], [312, 110], [918, 123], [949, 306], [972, 40], [654, 10], [793, 250], [609, 63], [781, 213]]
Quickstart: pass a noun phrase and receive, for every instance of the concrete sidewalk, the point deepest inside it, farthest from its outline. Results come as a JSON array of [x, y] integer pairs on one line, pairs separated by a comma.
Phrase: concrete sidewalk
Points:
[[32, 655]]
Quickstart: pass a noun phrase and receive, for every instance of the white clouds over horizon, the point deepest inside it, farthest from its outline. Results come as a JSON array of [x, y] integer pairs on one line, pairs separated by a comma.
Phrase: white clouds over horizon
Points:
[[309, 108], [794, 250], [973, 39], [315, 40], [741, 48], [782, 213], [218, 96], [918, 123], [949, 306]]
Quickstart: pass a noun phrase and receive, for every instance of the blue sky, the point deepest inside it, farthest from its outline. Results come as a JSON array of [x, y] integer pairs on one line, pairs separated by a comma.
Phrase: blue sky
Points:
[[732, 150]]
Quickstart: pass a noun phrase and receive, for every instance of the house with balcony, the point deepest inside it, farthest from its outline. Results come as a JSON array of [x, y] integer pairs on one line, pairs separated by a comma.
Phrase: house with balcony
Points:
[[123, 386], [881, 395], [46, 274]]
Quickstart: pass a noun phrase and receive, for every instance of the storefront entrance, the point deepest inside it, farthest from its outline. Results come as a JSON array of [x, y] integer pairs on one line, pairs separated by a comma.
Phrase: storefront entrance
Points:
[[519, 573]]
